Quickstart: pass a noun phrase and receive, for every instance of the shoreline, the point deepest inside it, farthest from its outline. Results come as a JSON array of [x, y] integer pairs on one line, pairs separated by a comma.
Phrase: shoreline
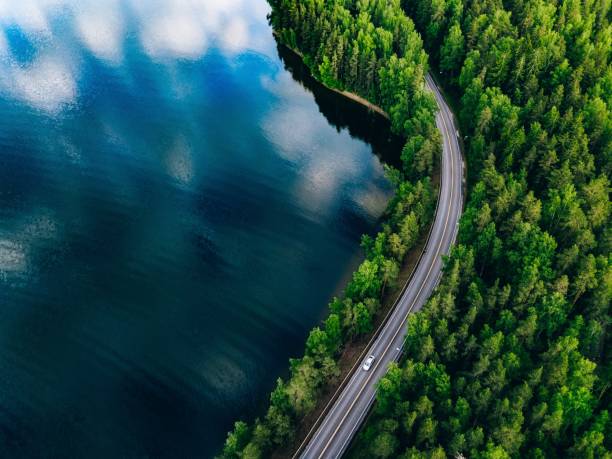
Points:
[[353, 352], [349, 95], [360, 100]]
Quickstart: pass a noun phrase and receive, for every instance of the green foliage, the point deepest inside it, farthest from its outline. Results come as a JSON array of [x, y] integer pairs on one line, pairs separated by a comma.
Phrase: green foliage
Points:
[[511, 355], [236, 440], [372, 49], [420, 153], [350, 317]]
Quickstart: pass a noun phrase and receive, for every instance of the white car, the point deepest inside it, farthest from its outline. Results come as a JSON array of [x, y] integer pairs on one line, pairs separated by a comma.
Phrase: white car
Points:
[[368, 363]]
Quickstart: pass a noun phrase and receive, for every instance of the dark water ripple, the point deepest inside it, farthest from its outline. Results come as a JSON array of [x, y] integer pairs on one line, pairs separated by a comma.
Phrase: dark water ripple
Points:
[[178, 202]]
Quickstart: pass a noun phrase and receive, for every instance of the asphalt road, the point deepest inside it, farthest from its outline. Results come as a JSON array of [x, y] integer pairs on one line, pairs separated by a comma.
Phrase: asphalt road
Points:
[[342, 420]]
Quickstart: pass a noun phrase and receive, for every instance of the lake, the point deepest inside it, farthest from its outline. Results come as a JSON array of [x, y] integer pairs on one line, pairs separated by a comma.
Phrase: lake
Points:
[[178, 203]]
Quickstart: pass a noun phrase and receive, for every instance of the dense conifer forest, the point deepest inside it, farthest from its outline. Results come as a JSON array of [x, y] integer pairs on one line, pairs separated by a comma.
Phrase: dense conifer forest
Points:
[[511, 356]]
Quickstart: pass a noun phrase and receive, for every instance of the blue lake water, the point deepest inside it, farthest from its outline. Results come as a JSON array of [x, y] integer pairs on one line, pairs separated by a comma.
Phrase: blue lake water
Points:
[[178, 202]]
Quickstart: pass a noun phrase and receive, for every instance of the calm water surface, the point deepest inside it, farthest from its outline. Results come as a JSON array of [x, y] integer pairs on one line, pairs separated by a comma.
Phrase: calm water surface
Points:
[[178, 202]]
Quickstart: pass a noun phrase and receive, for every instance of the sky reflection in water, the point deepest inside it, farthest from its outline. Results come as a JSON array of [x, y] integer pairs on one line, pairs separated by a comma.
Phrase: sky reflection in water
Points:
[[173, 206]]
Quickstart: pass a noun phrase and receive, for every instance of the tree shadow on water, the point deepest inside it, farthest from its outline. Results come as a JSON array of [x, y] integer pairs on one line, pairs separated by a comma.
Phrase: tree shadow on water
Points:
[[344, 113]]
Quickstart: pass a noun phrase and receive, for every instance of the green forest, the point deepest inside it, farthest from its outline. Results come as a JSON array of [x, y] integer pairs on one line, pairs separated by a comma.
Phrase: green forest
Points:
[[371, 49], [511, 356]]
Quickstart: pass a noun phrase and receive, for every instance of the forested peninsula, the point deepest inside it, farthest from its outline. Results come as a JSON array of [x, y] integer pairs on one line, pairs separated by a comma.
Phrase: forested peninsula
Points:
[[511, 356]]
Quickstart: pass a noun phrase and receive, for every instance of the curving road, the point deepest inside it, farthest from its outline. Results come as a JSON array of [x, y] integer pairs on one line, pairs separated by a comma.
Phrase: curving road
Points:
[[342, 420]]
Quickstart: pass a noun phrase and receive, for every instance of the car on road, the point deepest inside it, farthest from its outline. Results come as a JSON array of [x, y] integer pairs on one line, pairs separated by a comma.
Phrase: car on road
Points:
[[368, 363]]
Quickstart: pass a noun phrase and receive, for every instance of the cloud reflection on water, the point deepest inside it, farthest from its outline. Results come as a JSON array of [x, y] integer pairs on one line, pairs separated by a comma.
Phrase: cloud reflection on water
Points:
[[12, 257], [327, 166], [167, 31], [47, 84], [101, 29], [147, 170], [179, 161]]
